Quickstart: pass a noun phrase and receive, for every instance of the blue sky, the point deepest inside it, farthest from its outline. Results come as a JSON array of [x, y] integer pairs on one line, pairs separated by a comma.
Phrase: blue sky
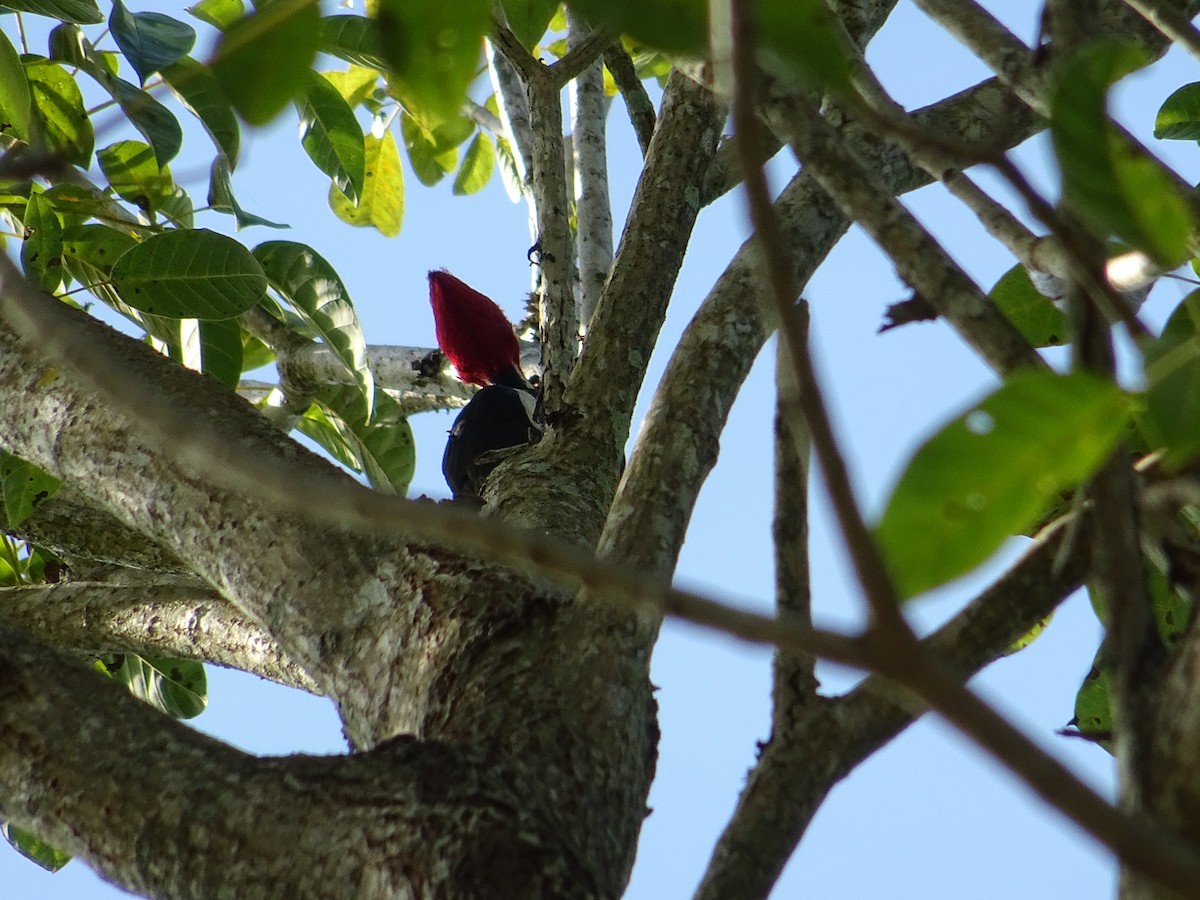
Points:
[[927, 817]]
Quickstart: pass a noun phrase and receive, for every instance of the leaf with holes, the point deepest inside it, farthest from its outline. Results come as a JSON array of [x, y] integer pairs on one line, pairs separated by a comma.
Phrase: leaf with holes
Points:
[[42, 250], [24, 488], [190, 275], [313, 289], [992, 471]]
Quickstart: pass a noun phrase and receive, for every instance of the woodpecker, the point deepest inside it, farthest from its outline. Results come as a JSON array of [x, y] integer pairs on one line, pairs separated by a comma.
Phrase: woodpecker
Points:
[[480, 343]]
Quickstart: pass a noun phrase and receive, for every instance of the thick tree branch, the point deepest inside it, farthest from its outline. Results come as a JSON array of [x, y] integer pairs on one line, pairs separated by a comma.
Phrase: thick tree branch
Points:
[[79, 749], [150, 618], [1171, 22]]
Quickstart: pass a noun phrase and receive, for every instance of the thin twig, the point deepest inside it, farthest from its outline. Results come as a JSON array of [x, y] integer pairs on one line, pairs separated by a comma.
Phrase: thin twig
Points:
[[637, 101]]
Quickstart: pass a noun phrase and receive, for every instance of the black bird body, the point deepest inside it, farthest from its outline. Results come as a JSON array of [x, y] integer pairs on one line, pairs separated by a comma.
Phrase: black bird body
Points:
[[498, 417]]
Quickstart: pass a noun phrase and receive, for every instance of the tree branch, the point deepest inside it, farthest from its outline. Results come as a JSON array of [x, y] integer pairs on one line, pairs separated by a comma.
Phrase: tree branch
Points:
[[593, 213], [793, 777], [637, 101], [151, 618]]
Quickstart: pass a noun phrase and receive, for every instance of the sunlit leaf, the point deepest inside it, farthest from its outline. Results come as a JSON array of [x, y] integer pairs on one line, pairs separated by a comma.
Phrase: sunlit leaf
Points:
[[59, 110], [381, 448], [477, 166], [220, 14], [355, 85], [1179, 117], [34, 848], [24, 488], [381, 204], [263, 59], [15, 98], [330, 134], [313, 289], [991, 472], [190, 275], [134, 173]]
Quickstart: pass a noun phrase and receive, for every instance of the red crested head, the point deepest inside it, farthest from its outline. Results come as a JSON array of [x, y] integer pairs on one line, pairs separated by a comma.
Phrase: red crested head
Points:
[[473, 332]]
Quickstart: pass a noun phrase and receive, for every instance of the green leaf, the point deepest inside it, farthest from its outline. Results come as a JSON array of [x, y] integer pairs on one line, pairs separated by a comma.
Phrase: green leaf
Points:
[[382, 449], [1028, 637], [221, 350], [355, 85], [150, 41], [134, 173], [804, 41], [220, 14], [673, 26], [83, 12], [190, 275], [221, 199], [433, 49], [353, 38], [1034, 315], [59, 110], [263, 59], [1093, 703], [34, 848], [1105, 179], [68, 45], [156, 123], [24, 487], [528, 19], [991, 472], [1170, 416], [429, 156], [477, 166], [197, 89], [177, 687], [381, 204], [90, 251], [315, 291], [16, 101], [330, 135], [42, 251], [1178, 118]]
